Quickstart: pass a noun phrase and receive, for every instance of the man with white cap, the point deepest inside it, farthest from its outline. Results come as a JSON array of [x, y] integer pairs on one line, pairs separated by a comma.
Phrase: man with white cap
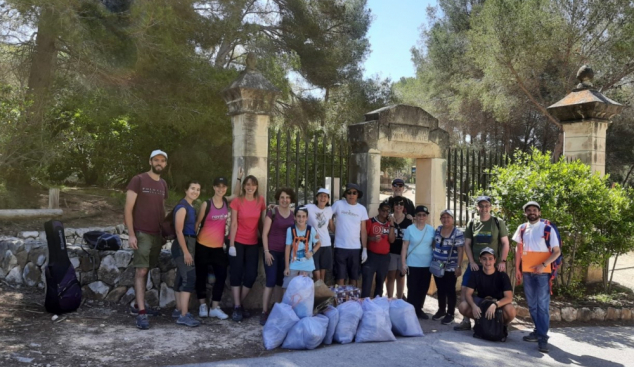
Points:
[[537, 248], [320, 218], [484, 231], [144, 212]]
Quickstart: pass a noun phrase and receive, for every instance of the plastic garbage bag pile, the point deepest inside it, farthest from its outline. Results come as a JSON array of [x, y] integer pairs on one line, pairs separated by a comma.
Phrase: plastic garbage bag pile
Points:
[[291, 324]]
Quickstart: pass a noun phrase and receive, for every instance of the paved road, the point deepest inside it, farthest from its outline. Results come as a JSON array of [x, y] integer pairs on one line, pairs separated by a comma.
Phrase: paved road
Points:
[[584, 346]]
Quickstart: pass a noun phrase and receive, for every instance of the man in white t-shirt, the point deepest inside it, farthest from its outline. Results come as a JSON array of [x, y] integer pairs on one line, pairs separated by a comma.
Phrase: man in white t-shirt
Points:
[[533, 257], [350, 235]]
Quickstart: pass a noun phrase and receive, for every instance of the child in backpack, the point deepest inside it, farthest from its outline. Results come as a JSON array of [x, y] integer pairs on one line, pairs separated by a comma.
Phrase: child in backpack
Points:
[[302, 242]]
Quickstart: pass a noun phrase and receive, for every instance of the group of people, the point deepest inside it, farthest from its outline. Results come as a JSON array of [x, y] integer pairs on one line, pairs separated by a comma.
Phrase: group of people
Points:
[[395, 246]]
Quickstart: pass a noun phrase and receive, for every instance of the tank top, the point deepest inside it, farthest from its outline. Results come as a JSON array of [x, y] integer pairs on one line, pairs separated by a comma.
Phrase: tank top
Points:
[[213, 232], [189, 227]]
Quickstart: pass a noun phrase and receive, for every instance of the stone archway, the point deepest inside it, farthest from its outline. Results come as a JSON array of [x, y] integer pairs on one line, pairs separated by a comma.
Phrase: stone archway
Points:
[[400, 131]]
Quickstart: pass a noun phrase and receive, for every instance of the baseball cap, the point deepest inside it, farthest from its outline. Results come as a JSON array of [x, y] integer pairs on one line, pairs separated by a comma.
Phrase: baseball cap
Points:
[[323, 191], [353, 186], [531, 203], [158, 152], [483, 198], [447, 211], [220, 181], [421, 209], [487, 250], [398, 181]]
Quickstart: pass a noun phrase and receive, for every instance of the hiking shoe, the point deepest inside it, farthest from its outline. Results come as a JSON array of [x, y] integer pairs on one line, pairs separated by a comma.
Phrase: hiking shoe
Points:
[[176, 313], [188, 320], [142, 322], [438, 315], [134, 311], [237, 314], [217, 312], [542, 346], [447, 320], [263, 317], [203, 311], [245, 313], [465, 325], [423, 316], [532, 337]]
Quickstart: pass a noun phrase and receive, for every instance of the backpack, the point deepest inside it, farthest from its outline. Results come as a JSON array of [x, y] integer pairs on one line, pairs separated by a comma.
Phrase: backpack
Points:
[[168, 227], [297, 240], [554, 266], [493, 329], [102, 241], [63, 291]]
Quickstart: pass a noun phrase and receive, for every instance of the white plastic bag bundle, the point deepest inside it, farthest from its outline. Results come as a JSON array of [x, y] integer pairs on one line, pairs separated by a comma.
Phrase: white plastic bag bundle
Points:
[[333, 319], [300, 295], [383, 302], [350, 314], [404, 320], [308, 333], [280, 321], [375, 325]]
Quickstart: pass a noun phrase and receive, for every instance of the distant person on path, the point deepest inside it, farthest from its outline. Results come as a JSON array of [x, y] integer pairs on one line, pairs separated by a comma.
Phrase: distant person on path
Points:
[[398, 189], [350, 234], [144, 212], [210, 246], [416, 255], [246, 217], [449, 249], [482, 232], [538, 248], [380, 230], [488, 282], [277, 221], [183, 252], [320, 218], [395, 269]]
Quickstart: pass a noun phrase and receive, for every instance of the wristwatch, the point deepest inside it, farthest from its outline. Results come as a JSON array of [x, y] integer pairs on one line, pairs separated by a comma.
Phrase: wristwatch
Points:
[[504, 261]]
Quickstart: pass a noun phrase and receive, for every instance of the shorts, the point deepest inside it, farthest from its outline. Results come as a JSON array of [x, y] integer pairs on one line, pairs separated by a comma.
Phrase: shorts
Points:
[[275, 272], [323, 258], [395, 263], [466, 276], [293, 274], [348, 263], [149, 250]]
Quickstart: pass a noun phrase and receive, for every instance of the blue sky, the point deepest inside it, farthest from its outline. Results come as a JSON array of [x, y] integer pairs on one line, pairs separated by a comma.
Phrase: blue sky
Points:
[[394, 30]]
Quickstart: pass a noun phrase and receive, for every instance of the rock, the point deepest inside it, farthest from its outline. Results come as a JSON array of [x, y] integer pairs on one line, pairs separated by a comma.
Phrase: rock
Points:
[[626, 314], [123, 258], [79, 232], [167, 297], [38, 255], [110, 229], [152, 298], [75, 262], [22, 257], [69, 232], [569, 313], [522, 312], [168, 278], [31, 274], [41, 260], [125, 245], [42, 236], [128, 296], [598, 314], [155, 274], [9, 262], [15, 276], [124, 236], [555, 314], [116, 294], [16, 246], [120, 228], [584, 314], [97, 290], [87, 278], [613, 313], [148, 283], [165, 261], [42, 283], [29, 234], [127, 277], [108, 271]]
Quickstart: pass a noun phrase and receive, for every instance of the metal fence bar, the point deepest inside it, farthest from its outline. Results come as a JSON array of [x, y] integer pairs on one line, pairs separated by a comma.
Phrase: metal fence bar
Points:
[[448, 181], [461, 182], [296, 189]]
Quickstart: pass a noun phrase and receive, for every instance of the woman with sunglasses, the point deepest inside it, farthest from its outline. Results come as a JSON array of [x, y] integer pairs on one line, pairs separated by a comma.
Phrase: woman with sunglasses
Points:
[[416, 255], [395, 269]]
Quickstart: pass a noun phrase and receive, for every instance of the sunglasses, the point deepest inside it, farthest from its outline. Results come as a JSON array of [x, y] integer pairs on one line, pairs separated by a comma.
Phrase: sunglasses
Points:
[[352, 193], [397, 185], [400, 203]]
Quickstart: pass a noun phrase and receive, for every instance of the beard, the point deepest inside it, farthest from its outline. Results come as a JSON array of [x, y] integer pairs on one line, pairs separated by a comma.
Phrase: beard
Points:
[[532, 217], [157, 169]]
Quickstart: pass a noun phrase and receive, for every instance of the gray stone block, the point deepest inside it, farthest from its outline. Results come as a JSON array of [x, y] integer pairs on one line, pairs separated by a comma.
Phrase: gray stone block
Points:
[[165, 261], [169, 277], [97, 290], [584, 314], [522, 312], [22, 257], [613, 313], [155, 274], [15, 276], [152, 298], [9, 262], [31, 274], [166, 297], [116, 294], [569, 313], [28, 234], [626, 314], [128, 296], [598, 314], [555, 314], [127, 277], [123, 258], [108, 271]]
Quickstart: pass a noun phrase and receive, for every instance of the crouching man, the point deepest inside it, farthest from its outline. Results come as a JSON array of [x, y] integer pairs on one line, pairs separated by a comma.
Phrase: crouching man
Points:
[[488, 282]]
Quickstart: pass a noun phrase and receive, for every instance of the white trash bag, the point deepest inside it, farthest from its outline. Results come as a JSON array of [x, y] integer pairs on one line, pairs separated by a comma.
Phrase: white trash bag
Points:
[[308, 333], [280, 321], [300, 295], [350, 314], [375, 325], [404, 320], [383, 302], [333, 319]]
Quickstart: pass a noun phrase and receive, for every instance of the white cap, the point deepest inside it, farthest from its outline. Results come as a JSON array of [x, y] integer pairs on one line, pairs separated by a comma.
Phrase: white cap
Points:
[[158, 152], [323, 191], [447, 211]]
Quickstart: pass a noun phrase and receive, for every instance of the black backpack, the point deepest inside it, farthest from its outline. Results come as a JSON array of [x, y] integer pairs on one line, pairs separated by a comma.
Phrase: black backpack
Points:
[[493, 329], [102, 241], [63, 291]]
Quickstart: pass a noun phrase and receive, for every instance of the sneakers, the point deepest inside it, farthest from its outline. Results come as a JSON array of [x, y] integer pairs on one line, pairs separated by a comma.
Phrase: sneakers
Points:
[[532, 337], [217, 312], [439, 315], [423, 316], [203, 311], [465, 325], [188, 320], [263, 317], [134, 311], [176, 313], [237, 314], [447, 320], [142, 322], [245, 313], [542, 346]]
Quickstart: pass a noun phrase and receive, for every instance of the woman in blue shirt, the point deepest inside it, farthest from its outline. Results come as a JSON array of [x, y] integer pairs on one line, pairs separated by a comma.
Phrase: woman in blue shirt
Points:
[[416, 255]]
